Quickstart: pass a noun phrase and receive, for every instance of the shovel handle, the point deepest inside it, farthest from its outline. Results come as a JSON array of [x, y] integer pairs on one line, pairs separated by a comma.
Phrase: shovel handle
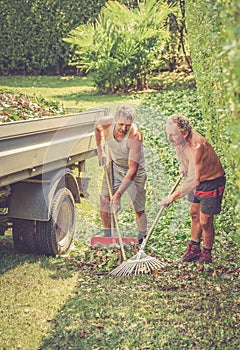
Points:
[[159, 215]]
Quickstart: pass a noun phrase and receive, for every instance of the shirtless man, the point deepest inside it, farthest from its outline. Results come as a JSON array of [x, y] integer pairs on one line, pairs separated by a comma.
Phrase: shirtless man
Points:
[[204, 185], [125, 147]]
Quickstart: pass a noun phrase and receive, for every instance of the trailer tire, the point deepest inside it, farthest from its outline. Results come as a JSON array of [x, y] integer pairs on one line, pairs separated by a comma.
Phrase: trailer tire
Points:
[[54, 237], [24, 235]]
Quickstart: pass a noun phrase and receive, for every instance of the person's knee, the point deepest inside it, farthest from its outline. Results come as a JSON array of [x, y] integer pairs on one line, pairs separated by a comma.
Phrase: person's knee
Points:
[[141, 216], [140, 213], [104, 203], [206, 221], [194, 213]]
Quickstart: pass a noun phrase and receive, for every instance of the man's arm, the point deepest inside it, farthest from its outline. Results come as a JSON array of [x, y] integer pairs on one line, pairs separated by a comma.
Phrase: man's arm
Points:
[[186, 187], [100, 128], [192, 179]]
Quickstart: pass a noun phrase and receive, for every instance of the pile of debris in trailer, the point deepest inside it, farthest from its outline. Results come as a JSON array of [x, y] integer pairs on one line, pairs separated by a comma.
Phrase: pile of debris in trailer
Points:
[[17, 106]]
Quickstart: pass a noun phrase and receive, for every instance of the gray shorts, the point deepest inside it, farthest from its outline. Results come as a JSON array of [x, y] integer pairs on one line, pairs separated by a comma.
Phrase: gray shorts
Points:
[[136, 191], [209, 194]]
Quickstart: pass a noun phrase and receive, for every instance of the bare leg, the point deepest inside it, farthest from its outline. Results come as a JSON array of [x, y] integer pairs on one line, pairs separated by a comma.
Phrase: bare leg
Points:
[[196, 228], [141, 220], [105, 214], [193, 251], [208, 232]]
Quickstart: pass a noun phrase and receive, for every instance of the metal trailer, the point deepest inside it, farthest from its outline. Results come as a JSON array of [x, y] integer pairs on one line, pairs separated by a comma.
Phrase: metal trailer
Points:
[[38, 187]]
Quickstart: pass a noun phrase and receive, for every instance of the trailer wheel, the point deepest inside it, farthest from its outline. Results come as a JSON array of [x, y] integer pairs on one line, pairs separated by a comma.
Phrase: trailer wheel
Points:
[[55, 236], [24, 235]]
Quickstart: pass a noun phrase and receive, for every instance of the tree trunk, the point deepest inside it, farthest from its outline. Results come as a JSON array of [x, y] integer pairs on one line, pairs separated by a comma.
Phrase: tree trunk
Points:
[[181, 32]]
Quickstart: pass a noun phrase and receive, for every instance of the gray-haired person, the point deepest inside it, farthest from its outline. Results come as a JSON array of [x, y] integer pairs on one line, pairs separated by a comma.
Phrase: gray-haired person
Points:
[[125, 146], [204, 184]]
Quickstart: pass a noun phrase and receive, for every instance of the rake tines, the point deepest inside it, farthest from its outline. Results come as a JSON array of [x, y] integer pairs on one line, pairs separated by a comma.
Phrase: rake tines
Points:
[[140, 263]]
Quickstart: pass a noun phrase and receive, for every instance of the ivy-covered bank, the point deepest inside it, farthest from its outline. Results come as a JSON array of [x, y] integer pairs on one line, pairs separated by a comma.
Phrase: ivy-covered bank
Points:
[[214, 46]]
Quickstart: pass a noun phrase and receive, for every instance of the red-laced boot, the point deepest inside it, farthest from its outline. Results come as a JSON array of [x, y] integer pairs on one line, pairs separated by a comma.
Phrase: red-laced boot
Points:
[[192, 253], [205, 256]]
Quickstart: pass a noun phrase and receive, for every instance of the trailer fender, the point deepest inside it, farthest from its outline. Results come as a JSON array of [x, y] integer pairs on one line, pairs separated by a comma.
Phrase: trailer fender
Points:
[[32, 199]]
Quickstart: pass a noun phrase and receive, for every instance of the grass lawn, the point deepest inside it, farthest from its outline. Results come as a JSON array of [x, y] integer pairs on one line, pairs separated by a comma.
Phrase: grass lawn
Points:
[[69, 302], [64, 303], [73, 92]]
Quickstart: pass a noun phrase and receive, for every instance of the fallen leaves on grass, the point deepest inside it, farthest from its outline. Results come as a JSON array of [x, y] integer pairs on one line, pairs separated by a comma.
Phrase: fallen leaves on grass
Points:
[[103, 259], [178, 307]]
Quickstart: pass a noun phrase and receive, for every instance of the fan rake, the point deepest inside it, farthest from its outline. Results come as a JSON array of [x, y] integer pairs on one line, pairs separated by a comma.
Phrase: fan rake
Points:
[[141, 263]]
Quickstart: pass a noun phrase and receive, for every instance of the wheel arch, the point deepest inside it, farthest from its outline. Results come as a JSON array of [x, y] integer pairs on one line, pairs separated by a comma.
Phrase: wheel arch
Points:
[[64, 179]]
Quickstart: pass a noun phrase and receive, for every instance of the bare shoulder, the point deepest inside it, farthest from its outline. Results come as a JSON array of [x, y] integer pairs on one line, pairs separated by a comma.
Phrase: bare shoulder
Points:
[[104, 122], [136, 134], [197, 141], [199, 146]]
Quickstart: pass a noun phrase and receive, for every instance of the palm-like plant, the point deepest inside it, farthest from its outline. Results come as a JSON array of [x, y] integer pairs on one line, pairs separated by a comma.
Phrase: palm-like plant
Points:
[[122, 46]]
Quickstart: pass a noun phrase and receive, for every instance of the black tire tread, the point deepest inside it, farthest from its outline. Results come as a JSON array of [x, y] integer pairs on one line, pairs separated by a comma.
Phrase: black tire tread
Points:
[[46, 242], [24, 235]]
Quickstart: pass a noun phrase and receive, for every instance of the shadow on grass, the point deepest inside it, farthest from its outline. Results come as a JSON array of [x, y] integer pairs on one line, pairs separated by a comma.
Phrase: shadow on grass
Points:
[[100, 316], [172, 310], [10, 259]]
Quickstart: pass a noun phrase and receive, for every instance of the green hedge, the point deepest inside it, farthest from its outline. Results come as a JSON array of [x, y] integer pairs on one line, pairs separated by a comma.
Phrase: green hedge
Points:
[[31, 33], [213, 29]]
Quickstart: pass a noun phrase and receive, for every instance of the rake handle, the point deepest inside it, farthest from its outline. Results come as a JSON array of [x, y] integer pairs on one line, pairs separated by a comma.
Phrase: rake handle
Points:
[[158, 216], [113, 226], [114, 214]]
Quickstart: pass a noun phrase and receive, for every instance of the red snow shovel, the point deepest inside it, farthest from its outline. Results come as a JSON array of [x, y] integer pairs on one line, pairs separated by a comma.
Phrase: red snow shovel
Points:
[[114, 224]]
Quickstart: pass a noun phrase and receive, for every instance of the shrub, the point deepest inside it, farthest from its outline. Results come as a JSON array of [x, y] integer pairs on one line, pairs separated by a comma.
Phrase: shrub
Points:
[[123, 45], [207, 24]]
